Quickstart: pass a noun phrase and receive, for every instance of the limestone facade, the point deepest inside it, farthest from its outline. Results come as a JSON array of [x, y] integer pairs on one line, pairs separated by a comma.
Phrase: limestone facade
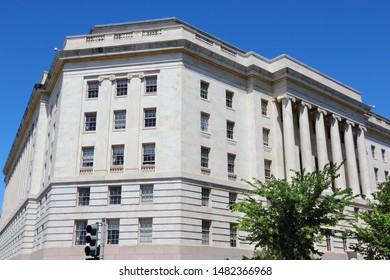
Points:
[[152, 125]]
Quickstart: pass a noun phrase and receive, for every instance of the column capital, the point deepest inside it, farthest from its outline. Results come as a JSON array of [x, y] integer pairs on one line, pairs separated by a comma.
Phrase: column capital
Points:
[[139, 75], [110, 77], [305, 104], [321, 111], [362, 128], [336, 117], [287, 97], [349, 123]]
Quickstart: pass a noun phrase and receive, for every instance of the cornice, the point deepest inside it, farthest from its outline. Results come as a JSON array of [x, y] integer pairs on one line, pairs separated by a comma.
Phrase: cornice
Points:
[[307, 82], [214, 58]]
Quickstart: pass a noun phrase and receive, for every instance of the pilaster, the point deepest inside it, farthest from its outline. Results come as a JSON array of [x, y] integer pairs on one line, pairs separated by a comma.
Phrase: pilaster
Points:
[[40, 146]]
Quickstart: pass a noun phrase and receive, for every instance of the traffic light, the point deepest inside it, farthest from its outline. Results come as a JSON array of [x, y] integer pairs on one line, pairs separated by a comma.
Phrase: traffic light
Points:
[[92, 248]]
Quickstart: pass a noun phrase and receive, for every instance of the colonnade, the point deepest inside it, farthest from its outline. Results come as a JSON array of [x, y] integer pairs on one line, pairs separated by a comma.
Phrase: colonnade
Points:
[[337, 125]]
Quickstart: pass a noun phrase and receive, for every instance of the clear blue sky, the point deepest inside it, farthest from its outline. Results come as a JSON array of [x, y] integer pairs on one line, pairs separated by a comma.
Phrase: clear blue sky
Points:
[[347, 40]]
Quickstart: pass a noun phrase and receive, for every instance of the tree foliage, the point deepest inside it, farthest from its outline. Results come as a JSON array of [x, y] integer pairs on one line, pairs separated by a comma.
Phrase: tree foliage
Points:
[[373, 234], [287, 221]]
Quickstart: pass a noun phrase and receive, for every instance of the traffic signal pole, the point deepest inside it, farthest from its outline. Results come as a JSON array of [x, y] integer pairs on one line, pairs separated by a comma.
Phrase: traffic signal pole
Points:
[[94, 249], [103, 240]]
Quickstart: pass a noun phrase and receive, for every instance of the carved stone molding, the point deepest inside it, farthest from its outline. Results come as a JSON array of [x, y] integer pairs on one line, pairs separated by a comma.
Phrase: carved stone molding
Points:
[[348, 124], [336, 117], [362, 128], [106, 77], [321, 111], [305, 104], [139, 75], [287, 97], [351, 123]]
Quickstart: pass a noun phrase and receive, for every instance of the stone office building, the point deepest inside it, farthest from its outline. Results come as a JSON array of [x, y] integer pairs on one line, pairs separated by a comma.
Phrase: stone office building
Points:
[[151, 125]]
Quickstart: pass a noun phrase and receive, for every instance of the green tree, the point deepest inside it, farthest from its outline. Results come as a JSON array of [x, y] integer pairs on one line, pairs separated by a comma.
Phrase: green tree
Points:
[[285, 218], [373, 234]]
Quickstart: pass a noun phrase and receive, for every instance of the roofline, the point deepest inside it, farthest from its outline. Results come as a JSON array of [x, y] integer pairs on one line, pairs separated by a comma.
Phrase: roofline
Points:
[[173, 20]]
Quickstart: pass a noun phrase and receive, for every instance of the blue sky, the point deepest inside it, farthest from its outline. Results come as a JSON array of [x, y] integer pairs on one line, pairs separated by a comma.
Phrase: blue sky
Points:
[[348, 40]]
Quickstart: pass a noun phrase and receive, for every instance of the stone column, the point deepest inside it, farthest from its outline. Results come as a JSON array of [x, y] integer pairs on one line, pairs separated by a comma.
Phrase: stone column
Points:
[[304, 133], [337, 155], [363, 163], [322, 151], [353, 179], [288, 135]]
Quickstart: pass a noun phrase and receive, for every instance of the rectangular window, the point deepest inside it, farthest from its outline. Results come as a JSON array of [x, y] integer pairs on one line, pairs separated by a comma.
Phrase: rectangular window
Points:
[[230, 162], [145, 230], [93, 89], [233, 235], [115, 195], [229, 99], [204, 90], [147, 194], [205, 197], [356, 212], [121, 87], [204, 157], [204, 122], [119, 119], [87, 157], [83, 196], [112, 231], [264, 107], [376, 174], [265, 137], [149, 154], [232, 199], [373, 151], [118, 155], [345, 244], [384, 155], [267, 170], [230, 130], [150, 117], [206, 232], [151, 85], [386, 175], [80, 232], [90, 121], [328, 242]]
